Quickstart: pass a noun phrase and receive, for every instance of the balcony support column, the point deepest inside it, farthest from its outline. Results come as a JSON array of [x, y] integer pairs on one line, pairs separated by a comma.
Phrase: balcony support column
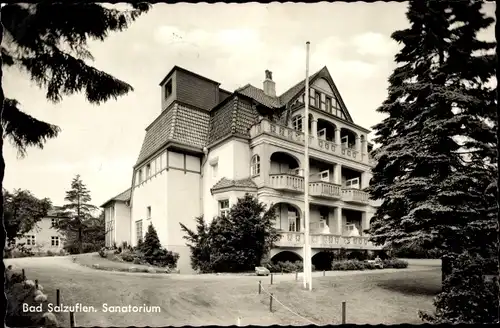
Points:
[[365, 221], [365, 180], [314, 128], [337, 176], [337, 136], [265, 162], [337, 214], [364, 146], [358, 144]]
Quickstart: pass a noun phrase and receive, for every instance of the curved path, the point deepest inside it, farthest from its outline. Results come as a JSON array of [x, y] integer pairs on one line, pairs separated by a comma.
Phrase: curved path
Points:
[[181, 299]]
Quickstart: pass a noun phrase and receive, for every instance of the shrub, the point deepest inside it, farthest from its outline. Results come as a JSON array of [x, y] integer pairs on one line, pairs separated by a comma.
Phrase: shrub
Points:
[[50, 253], [357, 255], [62, 252], [395, 264], [348, 265], [127, 256], [236, 242], [467, 297], [153, 253], [137, 260], [103, 253], [19, 293], [20, 250], [286, 266]]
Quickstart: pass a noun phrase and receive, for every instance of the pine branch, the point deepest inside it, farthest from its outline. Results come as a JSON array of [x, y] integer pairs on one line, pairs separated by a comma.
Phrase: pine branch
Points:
[[24, 130]]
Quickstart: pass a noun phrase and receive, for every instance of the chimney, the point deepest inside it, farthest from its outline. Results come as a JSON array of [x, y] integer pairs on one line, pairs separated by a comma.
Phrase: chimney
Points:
[[269, 85]]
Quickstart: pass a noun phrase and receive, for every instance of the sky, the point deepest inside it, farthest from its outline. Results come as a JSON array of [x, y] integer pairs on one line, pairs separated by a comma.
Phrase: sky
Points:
[[230, 43]]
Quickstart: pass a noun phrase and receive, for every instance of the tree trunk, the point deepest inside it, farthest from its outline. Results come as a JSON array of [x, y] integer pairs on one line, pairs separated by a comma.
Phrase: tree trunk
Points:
[[80, 239], [2, 173]]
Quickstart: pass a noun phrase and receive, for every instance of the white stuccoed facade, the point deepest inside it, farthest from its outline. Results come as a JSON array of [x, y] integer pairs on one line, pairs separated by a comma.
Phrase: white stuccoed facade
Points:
[[208, 147]]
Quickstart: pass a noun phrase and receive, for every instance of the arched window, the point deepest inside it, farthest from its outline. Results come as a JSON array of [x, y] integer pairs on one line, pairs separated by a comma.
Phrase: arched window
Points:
[[255, 165]]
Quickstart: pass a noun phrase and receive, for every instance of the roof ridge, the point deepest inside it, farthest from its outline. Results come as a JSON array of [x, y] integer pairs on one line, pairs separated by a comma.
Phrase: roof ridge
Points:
[[244, 87]]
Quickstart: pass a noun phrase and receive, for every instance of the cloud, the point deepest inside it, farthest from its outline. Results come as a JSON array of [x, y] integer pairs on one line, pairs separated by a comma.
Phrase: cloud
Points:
[[375, 44]]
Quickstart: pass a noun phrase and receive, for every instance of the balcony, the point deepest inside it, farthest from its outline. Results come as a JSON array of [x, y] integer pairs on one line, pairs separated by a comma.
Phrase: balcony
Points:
[[355, 196], [329, 241], [282, 132], [287, 182], [324, 190]]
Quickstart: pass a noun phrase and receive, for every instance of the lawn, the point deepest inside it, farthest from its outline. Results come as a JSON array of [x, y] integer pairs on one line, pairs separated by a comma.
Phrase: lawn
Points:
[[379, 298], [372, 298]]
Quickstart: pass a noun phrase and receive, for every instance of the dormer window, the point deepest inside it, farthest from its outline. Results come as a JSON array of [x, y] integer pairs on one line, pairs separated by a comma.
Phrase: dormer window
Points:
[[168, 89]]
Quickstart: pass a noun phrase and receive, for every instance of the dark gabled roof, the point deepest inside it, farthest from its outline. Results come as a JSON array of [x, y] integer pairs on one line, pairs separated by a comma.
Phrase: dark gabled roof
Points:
[[259, 96], [226, 184], [178, 68], [157, 134], [296, 89], [195, 128], [122, 197]]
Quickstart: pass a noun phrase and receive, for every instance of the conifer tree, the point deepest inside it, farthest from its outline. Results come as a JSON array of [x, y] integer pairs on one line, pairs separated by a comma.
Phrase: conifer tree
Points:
[[49, 42], [151, 243], [430, 191], [79, 212]]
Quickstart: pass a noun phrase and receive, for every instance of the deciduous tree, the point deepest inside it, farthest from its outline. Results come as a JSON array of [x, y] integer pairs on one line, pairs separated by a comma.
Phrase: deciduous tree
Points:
[[23, 211], [234, 242]]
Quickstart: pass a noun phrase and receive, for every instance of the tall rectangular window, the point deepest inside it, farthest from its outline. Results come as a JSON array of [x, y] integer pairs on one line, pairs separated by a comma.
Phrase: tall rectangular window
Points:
[[148, 171], [138, 230], [328, 105], [297, 122], [224, 207], [139, 176], [148, 212], [317, 99]]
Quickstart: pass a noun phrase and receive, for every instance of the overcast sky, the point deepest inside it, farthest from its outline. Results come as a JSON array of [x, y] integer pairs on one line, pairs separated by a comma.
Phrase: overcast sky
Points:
[[232, 44]]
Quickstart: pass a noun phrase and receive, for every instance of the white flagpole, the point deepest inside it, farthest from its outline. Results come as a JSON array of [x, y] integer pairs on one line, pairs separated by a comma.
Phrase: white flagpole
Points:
[[307, 245]]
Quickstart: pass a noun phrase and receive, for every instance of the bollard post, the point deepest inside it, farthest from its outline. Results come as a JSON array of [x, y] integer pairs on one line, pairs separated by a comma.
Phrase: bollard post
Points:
[[343, 312], [324, 271], [296, 275], [24, 275], [281, 271], [238, 322], [271, 302], [36, 283], [58, 297], [271, 278], [72, 319], [260, 286]]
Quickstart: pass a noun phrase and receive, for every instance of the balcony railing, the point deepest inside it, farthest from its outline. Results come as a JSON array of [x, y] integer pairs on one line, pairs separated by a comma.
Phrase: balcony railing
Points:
[[355, 196], [324, 189], [296, 239], [289, 182], [267, 127]]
